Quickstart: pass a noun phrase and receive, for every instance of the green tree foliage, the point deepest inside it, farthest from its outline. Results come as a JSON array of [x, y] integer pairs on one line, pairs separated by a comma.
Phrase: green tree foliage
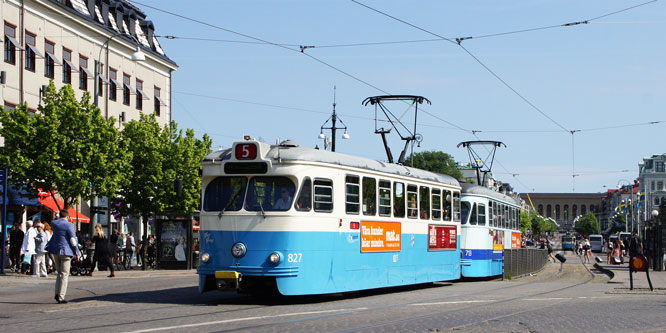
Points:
[[435, 161], [618, 224], [159, 155], [66, 147], [525, 221], [587, 224]]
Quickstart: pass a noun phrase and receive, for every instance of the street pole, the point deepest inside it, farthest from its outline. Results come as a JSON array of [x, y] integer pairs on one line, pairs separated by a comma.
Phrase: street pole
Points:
[[4, 219]]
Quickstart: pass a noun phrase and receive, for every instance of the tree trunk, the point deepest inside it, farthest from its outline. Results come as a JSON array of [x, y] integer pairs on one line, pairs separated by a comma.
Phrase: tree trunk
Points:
[[144, 241]]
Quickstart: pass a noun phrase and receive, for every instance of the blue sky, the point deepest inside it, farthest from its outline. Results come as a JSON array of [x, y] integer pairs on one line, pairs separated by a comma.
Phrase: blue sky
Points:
[[599, 78]]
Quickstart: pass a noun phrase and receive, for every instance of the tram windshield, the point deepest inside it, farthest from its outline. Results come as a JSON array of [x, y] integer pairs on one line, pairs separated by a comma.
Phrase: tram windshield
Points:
[[225, 194], [269, 194]]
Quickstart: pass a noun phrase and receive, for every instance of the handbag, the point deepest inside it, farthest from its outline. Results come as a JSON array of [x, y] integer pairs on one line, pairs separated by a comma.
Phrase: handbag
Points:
[[26, 258]]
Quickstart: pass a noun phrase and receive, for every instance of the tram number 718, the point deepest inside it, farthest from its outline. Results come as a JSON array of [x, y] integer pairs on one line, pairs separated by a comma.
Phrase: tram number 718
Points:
[[294, 257]]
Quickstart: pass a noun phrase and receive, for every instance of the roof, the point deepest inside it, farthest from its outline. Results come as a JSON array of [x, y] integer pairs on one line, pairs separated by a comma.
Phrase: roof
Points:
[[290, 154], [468, 188]]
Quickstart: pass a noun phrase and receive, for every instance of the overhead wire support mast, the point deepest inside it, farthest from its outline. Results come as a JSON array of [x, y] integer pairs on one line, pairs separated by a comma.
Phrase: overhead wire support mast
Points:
[[378, 102]]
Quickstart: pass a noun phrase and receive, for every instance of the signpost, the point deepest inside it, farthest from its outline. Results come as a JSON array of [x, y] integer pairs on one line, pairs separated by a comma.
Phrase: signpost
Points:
[[637, 263]]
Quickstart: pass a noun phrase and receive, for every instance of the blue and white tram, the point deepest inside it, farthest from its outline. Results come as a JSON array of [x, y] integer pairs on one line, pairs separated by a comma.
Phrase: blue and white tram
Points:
[[490, 224], [311, 222]]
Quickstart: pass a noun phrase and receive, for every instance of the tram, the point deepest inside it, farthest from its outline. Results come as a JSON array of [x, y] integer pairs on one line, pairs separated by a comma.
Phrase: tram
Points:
[[490, 224], [306, 221]]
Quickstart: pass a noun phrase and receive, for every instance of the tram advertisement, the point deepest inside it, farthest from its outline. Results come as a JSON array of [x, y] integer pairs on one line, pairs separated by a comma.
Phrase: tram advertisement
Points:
[[515, 240], [380, 236], [498, 240], [442, 237], [173, 241]]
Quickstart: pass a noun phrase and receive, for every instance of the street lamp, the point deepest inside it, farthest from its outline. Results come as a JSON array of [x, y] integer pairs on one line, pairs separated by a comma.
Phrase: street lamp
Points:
[[137, 56], [333, 118]]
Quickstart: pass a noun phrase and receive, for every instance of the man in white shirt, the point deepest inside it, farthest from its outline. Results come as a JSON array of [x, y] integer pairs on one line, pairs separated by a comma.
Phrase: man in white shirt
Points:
[[284, 202], [29, 244]]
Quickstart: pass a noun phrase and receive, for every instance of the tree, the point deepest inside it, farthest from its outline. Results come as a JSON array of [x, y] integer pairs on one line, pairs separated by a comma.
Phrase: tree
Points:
[[525, 221], [66, 147], [587, 224], [618, 224], [435, 161], [158, 156]]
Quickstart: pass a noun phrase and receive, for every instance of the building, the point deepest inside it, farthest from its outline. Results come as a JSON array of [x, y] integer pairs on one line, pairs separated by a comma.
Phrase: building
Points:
[[652, 181], [64, 41], [565, 207]]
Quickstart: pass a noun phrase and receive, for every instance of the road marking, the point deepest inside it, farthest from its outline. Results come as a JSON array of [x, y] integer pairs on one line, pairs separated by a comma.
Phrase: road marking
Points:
[[546, 299], [244, 319], [455, 302]]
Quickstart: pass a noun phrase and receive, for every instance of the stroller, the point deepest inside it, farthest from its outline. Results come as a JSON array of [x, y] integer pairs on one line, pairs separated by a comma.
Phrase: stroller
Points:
[[80, 266]]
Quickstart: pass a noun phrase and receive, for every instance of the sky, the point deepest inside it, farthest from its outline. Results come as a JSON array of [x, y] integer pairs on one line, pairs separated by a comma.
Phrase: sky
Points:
[[524, 79]]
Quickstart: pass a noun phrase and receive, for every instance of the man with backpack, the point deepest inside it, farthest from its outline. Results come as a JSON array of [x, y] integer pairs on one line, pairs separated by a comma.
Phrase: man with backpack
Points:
[[635, 245]]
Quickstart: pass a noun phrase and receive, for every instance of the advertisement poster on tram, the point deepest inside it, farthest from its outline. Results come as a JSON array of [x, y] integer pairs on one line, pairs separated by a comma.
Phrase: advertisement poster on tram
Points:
[[498, 240], [380, 236], [515, 240], [442, 237]]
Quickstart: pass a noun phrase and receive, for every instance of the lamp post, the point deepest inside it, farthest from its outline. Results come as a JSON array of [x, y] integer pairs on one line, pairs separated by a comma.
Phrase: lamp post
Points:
[[137, 56], [656, 242]]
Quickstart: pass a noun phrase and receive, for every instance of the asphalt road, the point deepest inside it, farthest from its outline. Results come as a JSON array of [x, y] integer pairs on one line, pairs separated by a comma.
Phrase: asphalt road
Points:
[[564, 297]]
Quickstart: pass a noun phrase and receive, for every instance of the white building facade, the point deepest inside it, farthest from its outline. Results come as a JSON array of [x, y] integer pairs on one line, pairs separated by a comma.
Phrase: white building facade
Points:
[[652, 180]]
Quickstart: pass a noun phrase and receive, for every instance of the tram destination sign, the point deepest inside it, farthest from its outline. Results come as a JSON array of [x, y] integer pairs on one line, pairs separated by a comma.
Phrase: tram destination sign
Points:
[[380, 236]]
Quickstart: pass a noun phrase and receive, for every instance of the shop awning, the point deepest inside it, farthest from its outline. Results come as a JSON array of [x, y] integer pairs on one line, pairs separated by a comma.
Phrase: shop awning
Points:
[[46, 200]]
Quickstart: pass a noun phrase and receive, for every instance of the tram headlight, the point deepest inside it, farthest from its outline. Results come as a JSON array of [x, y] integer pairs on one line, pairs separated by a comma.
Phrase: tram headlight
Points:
[[238, 250], [205, 257], [275, 258]]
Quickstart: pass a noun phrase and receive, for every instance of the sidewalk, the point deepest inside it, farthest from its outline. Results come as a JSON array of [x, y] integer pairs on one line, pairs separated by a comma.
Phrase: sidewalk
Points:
[[620, 276], [135, 273]]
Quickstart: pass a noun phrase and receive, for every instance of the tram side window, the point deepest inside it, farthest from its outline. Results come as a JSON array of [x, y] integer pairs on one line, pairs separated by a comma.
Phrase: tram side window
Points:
[[369, 196], [323, 195], [424, 210], [507, 223], [497, 216], [412, 210], [490, 214], [398, 200], [516, 219], [456, 206], [447, 205], [225, 194], [465, 211], [473, 216], [384, 198], [482, 214], [269, 194], [436, 204], [353, 201], [304, 201]]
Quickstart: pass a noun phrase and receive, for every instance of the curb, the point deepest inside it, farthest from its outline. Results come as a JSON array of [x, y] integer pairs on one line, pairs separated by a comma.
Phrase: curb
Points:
[[608, 272]]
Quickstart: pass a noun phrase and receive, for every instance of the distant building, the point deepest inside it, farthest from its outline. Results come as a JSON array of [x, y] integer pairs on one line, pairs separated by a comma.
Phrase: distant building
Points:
[[564, 207], [652, 181]]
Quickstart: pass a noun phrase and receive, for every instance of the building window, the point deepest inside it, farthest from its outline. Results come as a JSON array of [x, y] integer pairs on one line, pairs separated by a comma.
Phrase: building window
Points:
[[101, 78], [113, 84], [652, 186], [583, 209], [67, 66], [30, 55], [139, 94], [83, 72], [126, 89], [49, 61], [157, 101], [659, 166], [10, 44], [660, 185], [549, 211], [540, 210]]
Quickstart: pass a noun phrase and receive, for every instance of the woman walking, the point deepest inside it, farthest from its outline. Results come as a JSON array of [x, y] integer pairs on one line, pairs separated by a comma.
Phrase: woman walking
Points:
[[102, 253]]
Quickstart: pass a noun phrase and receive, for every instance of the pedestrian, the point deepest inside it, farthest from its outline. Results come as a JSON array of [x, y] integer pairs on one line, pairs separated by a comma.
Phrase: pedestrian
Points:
[[15, 243], [63, 246], [28, 249], [40, 251], [102, 252], [617, 251], [586, 249], [113, 246], [635, 245], [130, 247], [550, 251], [49, 256]]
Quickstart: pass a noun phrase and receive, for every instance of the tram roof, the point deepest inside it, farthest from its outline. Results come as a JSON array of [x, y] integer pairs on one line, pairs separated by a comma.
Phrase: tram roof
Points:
[[468, 188], [291, 153]]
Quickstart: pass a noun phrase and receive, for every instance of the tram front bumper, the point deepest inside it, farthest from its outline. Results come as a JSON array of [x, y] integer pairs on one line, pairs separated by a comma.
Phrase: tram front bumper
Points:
[[227, 280]]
